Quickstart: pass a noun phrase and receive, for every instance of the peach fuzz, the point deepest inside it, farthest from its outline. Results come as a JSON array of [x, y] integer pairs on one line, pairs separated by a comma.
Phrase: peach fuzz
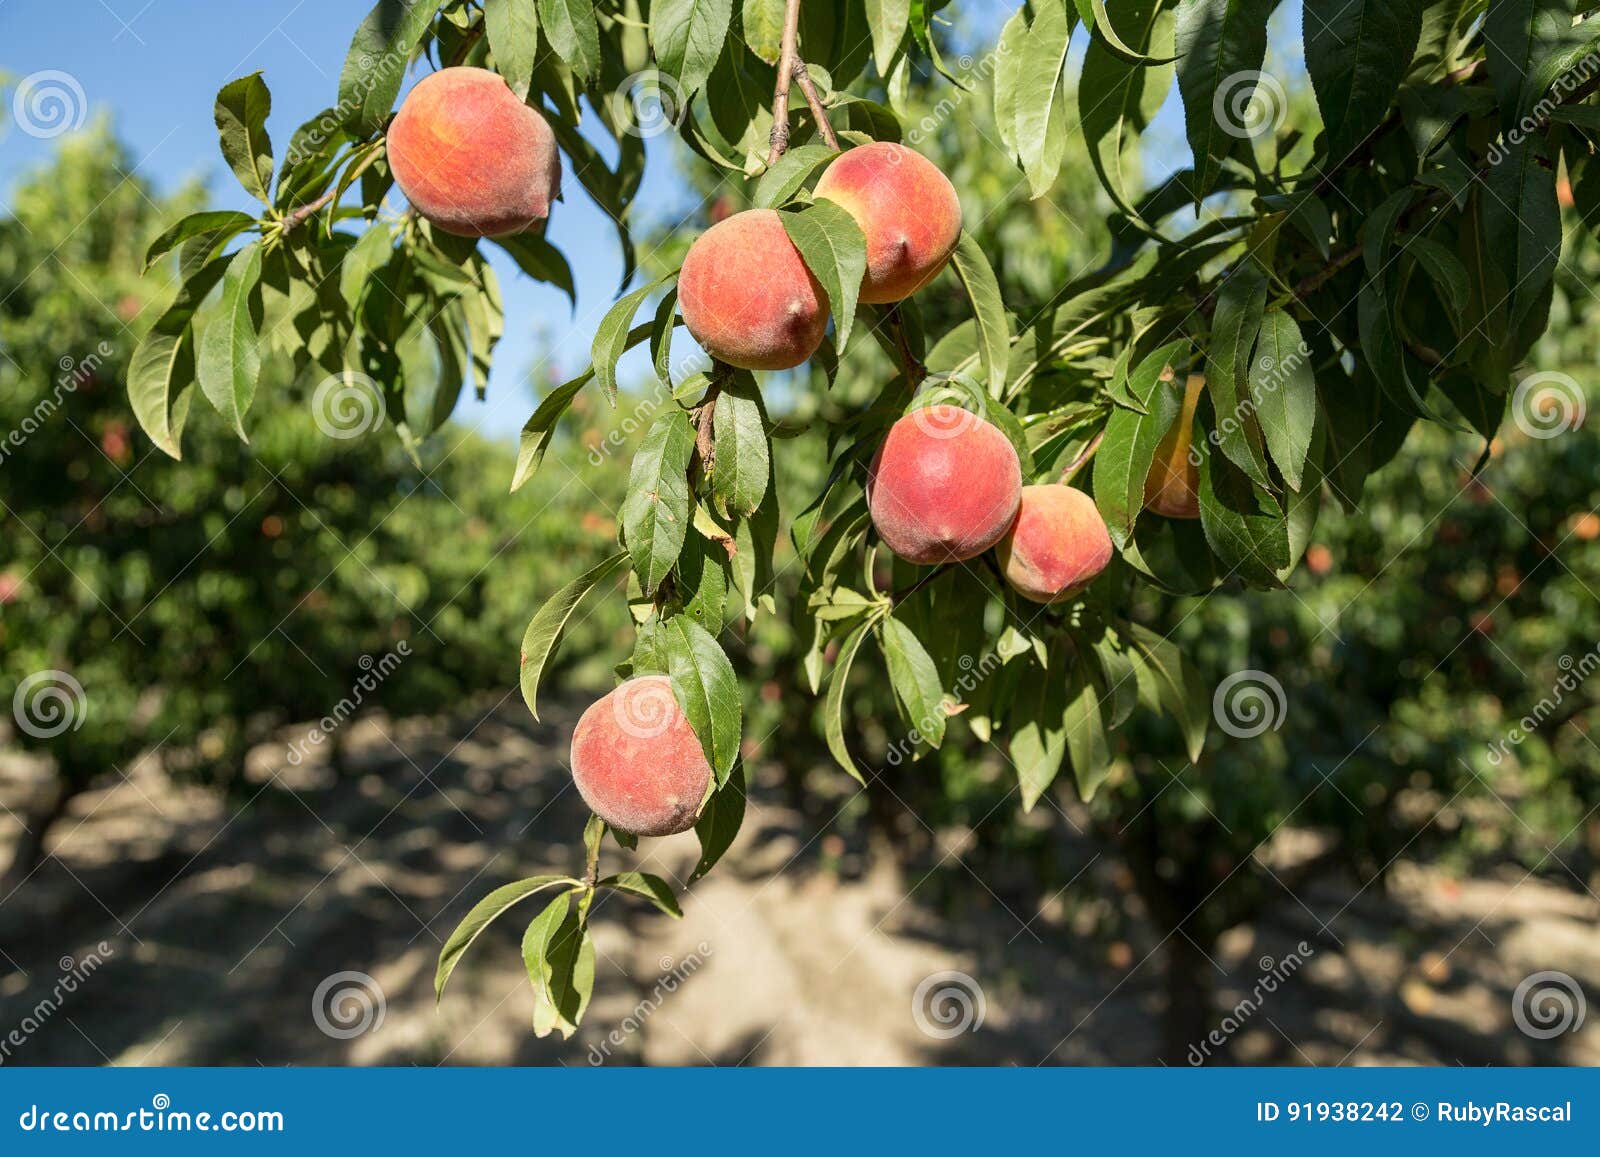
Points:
[[1172, 488], [907, 209], [472, 158], [637, 762], [747, 296], [1057, 546], [944, 486]]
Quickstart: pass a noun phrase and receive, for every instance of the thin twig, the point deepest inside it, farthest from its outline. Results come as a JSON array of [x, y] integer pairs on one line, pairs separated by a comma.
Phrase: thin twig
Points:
[[1083, 458], [814, 102], [788, 53], [297, 217]]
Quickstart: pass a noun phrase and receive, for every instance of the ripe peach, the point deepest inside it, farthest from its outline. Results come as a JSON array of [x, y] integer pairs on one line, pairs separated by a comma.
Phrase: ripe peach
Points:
[[906, 207], [636, 760], [471, 157], [1173, 486], [944, 486], [1057, 546], [747, 296]]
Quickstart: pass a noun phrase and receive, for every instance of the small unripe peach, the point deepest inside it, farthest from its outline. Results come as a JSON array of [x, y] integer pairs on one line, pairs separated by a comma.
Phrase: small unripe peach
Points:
[[907, 209], [747, 296], [471, 157], [1173, 486], [944, 486], [636, 760], [1057, 546]]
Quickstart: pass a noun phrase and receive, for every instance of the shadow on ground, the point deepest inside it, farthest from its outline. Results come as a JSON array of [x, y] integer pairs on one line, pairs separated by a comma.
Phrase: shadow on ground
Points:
[[163, 929]]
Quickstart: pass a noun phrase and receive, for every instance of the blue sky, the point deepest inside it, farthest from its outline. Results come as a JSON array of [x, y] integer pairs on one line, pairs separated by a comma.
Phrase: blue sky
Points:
[[155, 65]]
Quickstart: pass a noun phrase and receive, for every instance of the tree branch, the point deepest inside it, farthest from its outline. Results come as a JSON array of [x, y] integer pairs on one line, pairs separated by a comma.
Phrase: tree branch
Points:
[[788, 53], [792, 71]]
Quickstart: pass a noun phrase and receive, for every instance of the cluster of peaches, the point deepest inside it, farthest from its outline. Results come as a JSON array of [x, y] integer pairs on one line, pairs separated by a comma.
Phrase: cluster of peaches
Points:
[[945, 485]]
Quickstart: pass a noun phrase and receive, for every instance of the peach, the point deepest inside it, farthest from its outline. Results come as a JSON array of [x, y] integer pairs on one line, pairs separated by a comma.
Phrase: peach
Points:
[[907, 209], [1173, 486], [471, 157], [1057, 546], [747, 296], [637, 762], [944, 486]]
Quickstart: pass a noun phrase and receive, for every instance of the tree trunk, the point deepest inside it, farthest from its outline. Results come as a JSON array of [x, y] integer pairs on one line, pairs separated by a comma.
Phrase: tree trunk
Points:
[[48, 806], [1190, 1009]]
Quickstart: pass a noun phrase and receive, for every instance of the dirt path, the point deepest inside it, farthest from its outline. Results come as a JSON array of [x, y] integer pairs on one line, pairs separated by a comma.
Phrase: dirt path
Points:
[[196, 934]]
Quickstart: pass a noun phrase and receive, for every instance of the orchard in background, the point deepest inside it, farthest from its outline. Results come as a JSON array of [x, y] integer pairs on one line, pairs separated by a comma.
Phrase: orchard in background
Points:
[[1266, 329]]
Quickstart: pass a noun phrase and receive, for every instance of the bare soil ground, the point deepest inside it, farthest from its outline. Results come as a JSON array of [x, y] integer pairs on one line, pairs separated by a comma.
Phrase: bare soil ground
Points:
[[210, 927]]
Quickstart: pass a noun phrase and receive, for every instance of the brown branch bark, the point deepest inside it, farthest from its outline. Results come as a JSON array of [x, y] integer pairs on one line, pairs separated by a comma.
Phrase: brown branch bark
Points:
[[792, 71]]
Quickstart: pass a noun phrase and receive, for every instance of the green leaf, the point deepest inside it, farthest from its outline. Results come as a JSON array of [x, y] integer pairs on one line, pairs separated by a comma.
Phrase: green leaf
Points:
[[1241, 302], [1444, 268], [612, 336], [483, 913], [652, 888], [513, 30], [538, 430], [375, 66], [1173, 683], [216, 227], [1522, 224], [543, 635], [559, 955], [835, 250], [702, 581], [541, 261], [1085, 728], [1528, 45], [763, 28], [1038, 733], [1243, 523], [719, 822], [888, 20], [1008, 77], [569, 26], [742, 461], [783, 180], [833, 709], [241, 116], [687, 36], [704, 684], [161, 373], [655, 515], [1220, 44], [1358, 52], [229, 353], [1117, 99], [1128, 447], [1040, 102], [915, 680], [1285, 393], [994, 324]]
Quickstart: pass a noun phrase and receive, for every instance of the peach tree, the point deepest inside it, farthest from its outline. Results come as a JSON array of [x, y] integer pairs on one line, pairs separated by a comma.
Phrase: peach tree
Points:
[[1270, 322]]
